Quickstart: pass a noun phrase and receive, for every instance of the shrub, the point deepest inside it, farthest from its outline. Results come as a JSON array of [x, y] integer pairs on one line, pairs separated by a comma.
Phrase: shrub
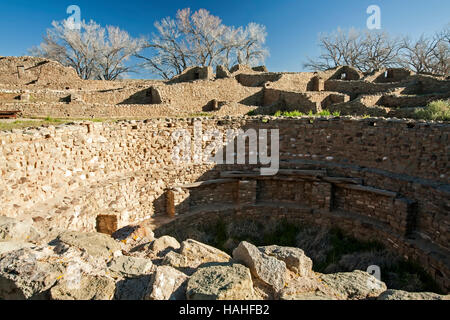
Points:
[[435, 110], [296, 113]]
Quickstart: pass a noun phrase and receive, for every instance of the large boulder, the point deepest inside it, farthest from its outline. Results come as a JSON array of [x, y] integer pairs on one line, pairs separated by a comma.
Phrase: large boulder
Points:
[[28, 274], [269, 269], [90, 287], [95, 244], [295, 258], [167, 283], [404, 295], [221, 282], [354, 285], [306, 288], [135, 288], [130, 266], [198, 253], [176, 260], [15, 230], [164, 243]]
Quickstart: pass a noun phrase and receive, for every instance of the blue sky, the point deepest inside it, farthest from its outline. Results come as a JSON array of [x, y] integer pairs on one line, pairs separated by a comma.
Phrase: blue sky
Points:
[[292, 25]]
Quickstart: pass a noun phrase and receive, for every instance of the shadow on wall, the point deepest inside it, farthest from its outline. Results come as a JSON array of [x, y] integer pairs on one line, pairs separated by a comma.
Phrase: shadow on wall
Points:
[[346, 73], [146, 96]]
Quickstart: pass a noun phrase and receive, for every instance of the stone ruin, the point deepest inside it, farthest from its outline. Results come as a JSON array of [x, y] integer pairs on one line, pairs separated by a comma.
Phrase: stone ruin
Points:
[[383, 179], [40, 88]]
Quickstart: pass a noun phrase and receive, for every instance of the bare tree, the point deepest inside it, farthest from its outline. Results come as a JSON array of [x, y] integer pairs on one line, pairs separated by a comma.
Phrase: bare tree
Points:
[[365, 51], [338, 48], [371, 50], [379, 50], [201, 39], [428, 54], [94, 52]]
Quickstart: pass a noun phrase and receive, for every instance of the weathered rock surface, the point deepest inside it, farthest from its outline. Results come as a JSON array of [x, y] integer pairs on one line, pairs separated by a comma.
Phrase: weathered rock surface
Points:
[[306, 288], [404, 295], [130, 266], [164, 243], [28, 274], [175, 260], [87, 288], [221, 282], [266, 268], [198, 253], [89, 266], [134, 233], [95, 244], [295, 258], [354, 285], [13, 245], [134, 288], [167, 283], [306, 296], [15, 230]]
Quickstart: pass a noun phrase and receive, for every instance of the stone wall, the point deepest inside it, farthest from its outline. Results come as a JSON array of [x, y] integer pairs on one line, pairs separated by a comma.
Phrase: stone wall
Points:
[[388, 176], [32, 70]]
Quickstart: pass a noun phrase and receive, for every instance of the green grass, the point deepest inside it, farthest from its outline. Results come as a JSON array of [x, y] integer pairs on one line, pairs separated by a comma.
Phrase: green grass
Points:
[[284, 235], [407, 269], [296, 113], [38, 122], [435, 110], [200, 114]]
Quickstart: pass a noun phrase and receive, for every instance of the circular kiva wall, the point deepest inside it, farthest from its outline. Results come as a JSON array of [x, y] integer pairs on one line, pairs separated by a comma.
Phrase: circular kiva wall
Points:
[[378, 179]]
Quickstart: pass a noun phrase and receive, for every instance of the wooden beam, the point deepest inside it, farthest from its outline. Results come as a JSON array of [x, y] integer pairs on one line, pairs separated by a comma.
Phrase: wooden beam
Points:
[[343, 180], [369, 189], [204, 183]]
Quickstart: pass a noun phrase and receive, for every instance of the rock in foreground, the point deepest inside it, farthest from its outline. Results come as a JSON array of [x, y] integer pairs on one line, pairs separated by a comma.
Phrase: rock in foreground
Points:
[[221, 282], [404, 295], [354, 285], [268, 269]]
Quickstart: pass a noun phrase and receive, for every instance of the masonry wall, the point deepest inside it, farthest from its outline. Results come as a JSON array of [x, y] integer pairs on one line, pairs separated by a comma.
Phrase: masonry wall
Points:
[[68, 175]]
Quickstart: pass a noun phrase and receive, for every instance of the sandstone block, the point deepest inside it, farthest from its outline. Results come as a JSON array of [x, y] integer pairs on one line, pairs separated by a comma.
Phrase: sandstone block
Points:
[[95, 244], [131, 266], [404, 295], [198, 253], [164, 243], [269, 269], [222, 282], [354, 285], [89, 288], [295, 258], [167, 283]]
